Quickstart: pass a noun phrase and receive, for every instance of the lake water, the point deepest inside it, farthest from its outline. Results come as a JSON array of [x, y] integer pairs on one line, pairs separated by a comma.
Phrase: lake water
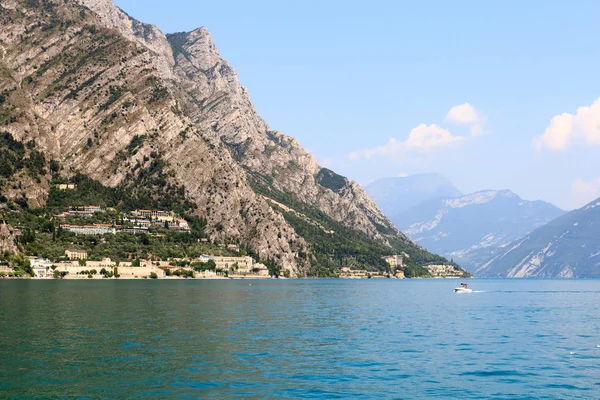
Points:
[[409, 339]]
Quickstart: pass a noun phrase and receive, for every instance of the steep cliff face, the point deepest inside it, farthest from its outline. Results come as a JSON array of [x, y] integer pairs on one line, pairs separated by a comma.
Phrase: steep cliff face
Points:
[[106, 95], [222, 106], [148, 35], [566, 247]]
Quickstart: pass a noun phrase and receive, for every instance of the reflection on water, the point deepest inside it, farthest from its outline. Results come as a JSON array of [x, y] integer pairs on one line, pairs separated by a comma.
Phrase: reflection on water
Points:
[[196, 339]]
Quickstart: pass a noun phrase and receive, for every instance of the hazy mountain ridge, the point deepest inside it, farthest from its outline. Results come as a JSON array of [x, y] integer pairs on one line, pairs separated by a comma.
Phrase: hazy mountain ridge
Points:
[[395, 195], [472, 228], [567, 247], [87, 82]]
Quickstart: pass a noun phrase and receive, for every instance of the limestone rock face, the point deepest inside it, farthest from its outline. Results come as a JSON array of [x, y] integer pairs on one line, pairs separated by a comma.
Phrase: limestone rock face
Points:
[[7, 240], [225, 109], [85, 80], [148, 35]]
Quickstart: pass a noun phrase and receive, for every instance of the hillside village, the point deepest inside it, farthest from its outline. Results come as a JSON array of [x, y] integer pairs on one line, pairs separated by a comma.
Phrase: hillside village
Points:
[[96, 221], [76, 265], [69, 239], [92, 222], [138, 221]]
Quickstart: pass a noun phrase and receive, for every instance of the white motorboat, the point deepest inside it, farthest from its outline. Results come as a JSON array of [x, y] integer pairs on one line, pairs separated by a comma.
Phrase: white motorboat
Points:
[[463, 288]]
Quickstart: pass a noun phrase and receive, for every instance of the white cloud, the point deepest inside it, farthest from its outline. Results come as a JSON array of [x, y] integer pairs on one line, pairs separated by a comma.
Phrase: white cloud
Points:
[[583, 192], [427, 137], [565, 128], [423, 138], [463, 114], [466, 114], [557, 134]]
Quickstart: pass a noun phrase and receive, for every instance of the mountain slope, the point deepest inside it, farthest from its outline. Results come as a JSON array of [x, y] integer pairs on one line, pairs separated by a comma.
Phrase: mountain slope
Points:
[[115, 99], [472, 228], [395, 195], [567, 247]]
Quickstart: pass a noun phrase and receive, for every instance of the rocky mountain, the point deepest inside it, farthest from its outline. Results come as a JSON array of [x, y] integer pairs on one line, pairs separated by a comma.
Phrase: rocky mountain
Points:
[[120, 102], [396, 195], [472, 228], [567, 247]]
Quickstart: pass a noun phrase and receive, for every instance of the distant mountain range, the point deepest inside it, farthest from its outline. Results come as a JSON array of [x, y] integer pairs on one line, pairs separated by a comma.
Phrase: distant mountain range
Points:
[[568, 247], [471, 229]]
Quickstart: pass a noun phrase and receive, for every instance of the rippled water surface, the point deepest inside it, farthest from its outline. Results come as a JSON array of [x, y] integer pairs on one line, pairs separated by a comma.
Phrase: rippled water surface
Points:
[[409, 339]]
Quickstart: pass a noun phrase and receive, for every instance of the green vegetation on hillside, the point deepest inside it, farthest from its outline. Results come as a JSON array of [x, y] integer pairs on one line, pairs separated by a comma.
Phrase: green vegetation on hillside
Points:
[[333, 245], [19, 262], [120, 247], [330, 180], [177, 41], [334, 248], [16, 156], [43, 236], [147, 187]]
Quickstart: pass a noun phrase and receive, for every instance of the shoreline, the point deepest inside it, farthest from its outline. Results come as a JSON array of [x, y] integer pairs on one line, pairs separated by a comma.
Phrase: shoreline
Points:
[[216, 278]]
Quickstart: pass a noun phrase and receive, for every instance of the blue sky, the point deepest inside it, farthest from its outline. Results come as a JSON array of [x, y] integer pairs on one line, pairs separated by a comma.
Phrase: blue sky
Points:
[[345, 77]]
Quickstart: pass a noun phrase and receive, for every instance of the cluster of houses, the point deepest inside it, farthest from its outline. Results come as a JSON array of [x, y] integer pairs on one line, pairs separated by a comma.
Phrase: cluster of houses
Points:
[[138, 221], [396, 263], [144, 219], [79, 267], [85, 211], [349, 273]]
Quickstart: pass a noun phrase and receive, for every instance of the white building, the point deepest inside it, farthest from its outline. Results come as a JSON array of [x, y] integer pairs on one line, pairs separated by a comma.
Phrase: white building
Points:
[[204, 258], [40, 266], [97, 229]]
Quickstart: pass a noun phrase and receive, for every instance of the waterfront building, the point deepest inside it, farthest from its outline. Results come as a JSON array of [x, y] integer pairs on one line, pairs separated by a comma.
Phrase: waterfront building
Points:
[[396, 261], [262, 269], [40, 266], [243, 264], [76, 254]]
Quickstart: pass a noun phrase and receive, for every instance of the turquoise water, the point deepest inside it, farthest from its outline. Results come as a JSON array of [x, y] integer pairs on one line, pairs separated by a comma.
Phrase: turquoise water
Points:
[[409, 339]]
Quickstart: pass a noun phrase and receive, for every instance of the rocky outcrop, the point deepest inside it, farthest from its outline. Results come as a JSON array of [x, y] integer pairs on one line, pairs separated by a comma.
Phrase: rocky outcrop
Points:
[[148, 35], [8, 243]]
